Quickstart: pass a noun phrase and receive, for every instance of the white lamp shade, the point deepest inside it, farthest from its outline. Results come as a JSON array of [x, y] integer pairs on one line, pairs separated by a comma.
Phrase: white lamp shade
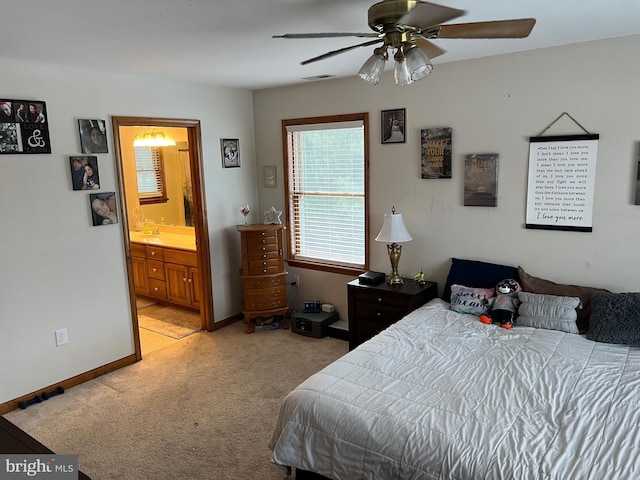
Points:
[[393, 230]]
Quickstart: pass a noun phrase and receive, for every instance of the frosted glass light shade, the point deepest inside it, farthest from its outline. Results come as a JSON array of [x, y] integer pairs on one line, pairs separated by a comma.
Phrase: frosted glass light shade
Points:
[[401, 73], [418, 63], [372, 69]]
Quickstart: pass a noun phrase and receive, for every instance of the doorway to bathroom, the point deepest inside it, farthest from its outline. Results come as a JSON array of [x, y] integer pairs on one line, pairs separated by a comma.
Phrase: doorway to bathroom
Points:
[[160, 175]]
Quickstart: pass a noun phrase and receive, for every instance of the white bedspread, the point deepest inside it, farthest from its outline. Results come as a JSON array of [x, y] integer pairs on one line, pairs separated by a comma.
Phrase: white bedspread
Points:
[[441, 395]]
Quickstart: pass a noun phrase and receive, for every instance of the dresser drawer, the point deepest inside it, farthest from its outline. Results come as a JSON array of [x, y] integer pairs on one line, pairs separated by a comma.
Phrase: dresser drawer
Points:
[[257, 267], [155, 253], [259, 294], [262, 238], [156, 269], [157, 288], [280, 302], [264, 282], [269, 252]]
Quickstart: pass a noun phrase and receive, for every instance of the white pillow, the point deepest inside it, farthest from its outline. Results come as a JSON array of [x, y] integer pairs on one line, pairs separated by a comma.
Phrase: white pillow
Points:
[[552, 312]]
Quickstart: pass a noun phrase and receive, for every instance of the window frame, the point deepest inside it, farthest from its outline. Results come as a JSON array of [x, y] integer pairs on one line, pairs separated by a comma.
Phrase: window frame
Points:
[[326, 266], [161, 197]]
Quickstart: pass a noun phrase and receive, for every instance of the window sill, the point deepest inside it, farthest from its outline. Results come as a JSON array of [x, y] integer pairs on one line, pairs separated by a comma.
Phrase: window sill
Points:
[[325, 267]]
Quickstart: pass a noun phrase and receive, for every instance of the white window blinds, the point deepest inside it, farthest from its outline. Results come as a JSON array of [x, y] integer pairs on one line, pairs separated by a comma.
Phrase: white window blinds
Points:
[[149, 171], [327, 192]]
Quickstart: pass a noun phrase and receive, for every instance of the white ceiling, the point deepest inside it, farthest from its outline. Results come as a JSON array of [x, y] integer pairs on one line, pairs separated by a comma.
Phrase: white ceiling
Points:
[[228, 43]]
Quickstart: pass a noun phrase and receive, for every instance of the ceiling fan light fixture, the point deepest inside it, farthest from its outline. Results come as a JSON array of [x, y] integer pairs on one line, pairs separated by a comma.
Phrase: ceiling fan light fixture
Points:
[[418, 63], [401, 72], [372, 69]]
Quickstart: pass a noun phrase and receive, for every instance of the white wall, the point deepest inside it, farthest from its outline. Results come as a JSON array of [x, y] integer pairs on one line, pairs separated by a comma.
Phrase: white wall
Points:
[[56, 269], [493, 105]]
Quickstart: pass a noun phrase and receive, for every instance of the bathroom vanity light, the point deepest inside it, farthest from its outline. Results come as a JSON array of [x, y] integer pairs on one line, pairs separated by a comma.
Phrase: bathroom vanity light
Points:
[[155, 138]]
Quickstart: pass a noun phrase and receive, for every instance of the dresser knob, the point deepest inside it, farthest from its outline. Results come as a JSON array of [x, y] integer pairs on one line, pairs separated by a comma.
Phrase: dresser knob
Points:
[[264, 271], [378, 314], [379, 299], [155, 289], [184, 279], [155, 269], [153, 254]]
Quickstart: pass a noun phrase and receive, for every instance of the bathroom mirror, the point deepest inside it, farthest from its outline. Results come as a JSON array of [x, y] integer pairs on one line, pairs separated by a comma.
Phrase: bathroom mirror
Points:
[[157, 178]]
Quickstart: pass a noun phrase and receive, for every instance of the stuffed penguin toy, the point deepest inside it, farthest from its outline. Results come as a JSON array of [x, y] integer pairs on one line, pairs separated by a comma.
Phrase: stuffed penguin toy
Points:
[[505, 305]]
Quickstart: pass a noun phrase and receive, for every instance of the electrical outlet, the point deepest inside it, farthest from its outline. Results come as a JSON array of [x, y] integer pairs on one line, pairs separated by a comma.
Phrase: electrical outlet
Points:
[[61, 337], [296, 279]]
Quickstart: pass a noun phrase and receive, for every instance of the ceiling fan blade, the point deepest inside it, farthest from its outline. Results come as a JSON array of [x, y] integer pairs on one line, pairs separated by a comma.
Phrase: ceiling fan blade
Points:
[[497, 29], [339, 51], [425, 15], [431, 49], [326, 35]]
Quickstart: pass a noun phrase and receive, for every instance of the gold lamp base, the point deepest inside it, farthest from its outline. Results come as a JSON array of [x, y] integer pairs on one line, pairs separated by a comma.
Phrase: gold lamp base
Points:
[[394, 251]]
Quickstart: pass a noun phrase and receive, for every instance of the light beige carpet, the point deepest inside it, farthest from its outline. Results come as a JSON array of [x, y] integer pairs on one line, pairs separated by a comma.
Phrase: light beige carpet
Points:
[[201, 408], [170, 321]]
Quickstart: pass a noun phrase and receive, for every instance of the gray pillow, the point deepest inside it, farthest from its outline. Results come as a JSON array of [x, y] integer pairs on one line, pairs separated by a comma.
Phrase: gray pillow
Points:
[[552, 312], [615, 318]]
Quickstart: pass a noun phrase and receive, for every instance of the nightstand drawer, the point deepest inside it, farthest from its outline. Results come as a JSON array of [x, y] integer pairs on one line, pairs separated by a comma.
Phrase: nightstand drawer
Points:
[[381, 298], [380, 312]]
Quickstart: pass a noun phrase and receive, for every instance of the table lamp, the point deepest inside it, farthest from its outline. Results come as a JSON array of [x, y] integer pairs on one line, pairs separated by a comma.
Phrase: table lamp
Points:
[[392, 232]]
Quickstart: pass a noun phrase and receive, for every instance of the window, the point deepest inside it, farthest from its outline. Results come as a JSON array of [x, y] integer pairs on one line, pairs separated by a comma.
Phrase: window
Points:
[[150, 172], [326, 167]]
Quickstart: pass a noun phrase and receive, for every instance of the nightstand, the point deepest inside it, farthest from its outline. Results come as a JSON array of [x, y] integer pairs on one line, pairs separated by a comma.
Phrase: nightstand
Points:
[[372, 308]]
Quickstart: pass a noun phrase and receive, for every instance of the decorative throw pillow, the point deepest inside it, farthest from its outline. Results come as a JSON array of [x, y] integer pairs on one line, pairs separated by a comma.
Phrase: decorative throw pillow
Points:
[[475, 301], [552, 312], [615, 318], [547, 287], [476, 273]]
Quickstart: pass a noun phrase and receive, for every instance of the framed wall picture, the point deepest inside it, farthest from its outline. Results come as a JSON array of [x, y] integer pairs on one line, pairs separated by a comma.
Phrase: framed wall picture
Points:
[[393, 125], [562, 174], [435, 152], [103, 208], [269, 175], [84, 172], [24, 127], [481, 180], [230, 152], [93, 136]]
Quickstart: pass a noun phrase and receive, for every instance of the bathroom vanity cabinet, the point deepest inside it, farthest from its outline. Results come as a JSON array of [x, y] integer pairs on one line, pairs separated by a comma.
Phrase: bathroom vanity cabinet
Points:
[[169, 275]]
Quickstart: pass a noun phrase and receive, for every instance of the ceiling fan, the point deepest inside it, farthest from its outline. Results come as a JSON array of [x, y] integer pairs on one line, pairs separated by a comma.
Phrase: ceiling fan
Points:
[[407, 26]]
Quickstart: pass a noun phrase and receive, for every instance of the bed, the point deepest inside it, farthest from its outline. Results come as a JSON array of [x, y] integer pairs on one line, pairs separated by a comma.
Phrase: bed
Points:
[[441, 395]]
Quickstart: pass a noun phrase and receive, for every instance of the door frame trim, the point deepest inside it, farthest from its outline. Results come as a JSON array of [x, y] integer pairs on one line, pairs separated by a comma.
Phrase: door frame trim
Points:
[[194, 137]]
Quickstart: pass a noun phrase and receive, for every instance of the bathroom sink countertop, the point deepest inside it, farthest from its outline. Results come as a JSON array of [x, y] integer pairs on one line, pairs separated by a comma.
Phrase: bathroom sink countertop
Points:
[[163, 239]]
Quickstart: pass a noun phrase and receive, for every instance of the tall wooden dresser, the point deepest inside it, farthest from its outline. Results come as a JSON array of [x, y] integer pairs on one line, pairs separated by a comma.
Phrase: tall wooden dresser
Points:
[[263, 275]]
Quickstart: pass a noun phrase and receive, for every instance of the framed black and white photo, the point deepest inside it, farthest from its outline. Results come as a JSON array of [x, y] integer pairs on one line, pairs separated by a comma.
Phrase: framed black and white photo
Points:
[[230, 152], [84, 172], [93, 136], [103, 208], [393, 125], [24, 127]]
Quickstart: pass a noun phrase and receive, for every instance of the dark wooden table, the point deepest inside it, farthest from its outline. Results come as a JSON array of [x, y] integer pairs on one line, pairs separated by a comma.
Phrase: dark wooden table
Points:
[[14, 441]]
